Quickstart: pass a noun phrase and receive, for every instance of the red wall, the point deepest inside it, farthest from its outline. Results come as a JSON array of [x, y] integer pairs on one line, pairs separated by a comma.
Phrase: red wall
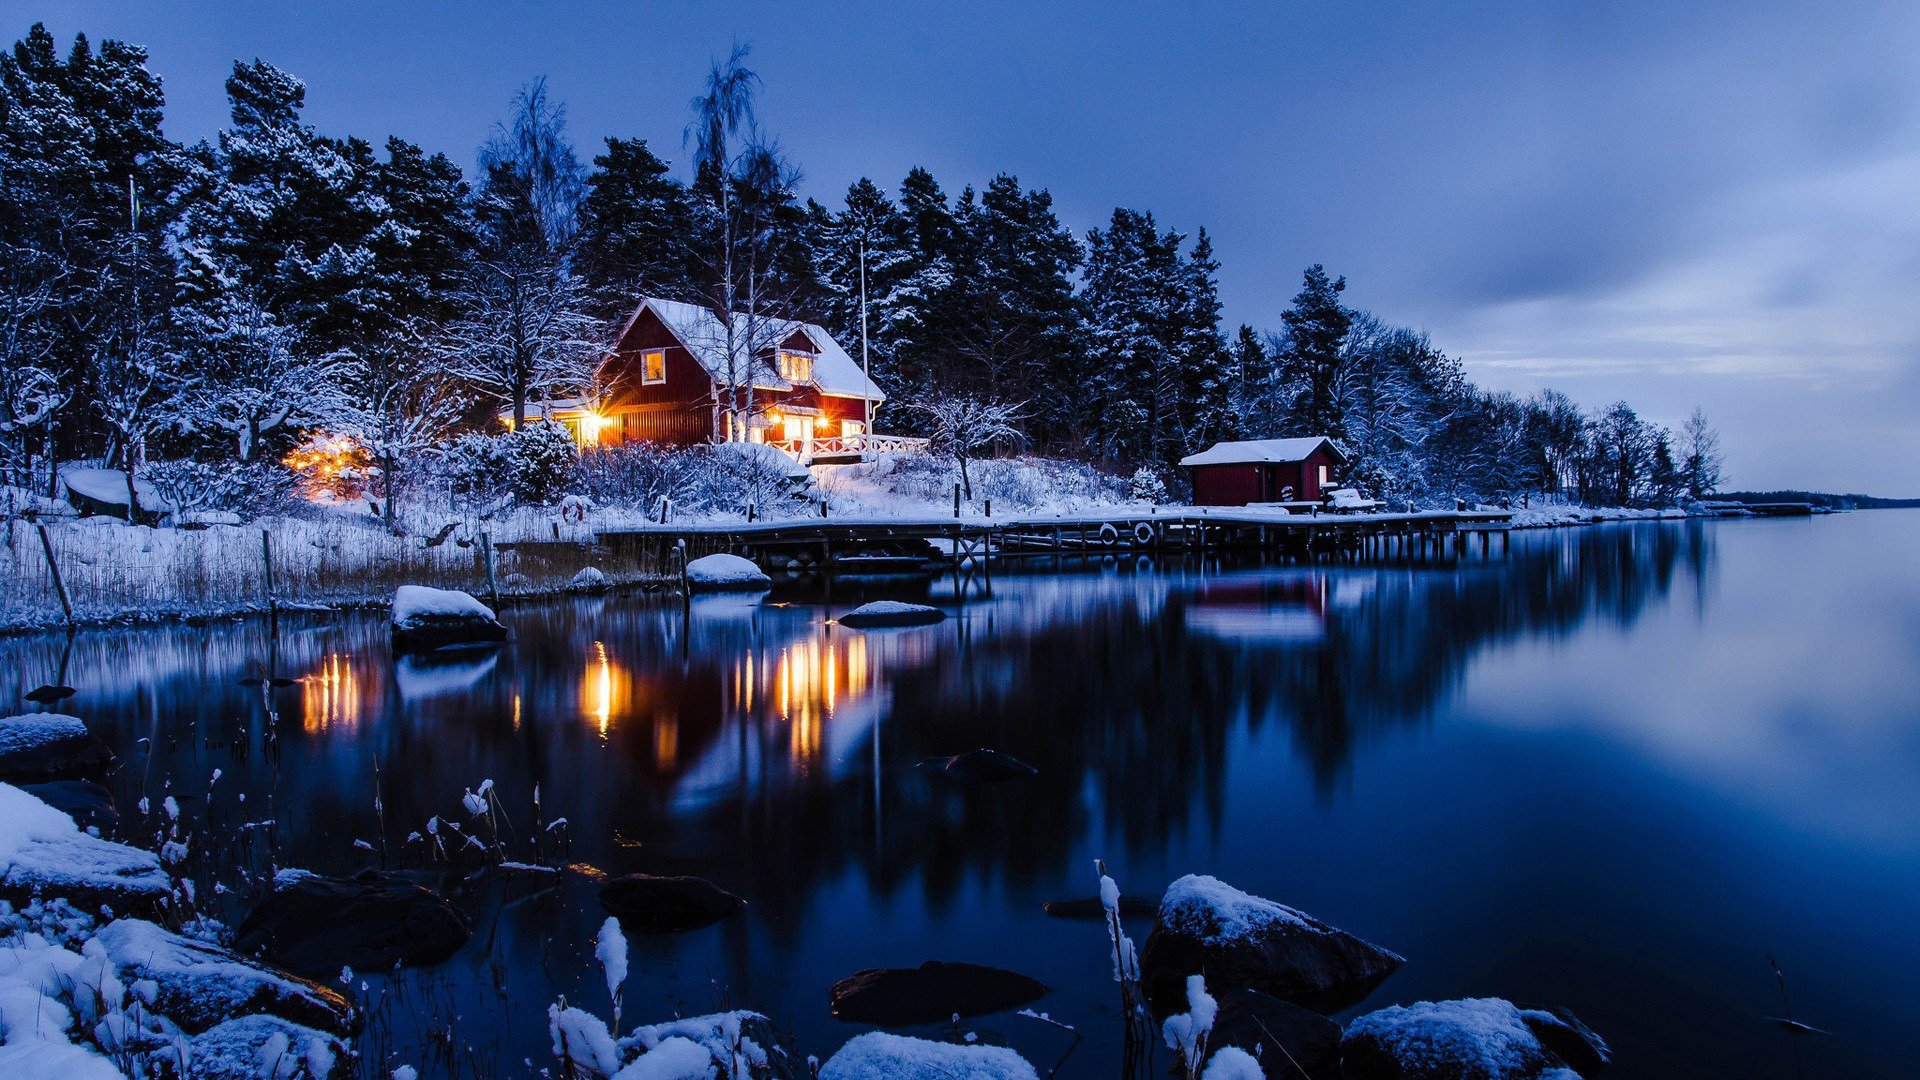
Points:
[[680, 410], [1240, 484]]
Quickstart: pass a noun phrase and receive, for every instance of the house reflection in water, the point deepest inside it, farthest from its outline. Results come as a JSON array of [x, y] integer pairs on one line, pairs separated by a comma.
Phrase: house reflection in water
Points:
[[330, 697], [606, 690], [809, 677]]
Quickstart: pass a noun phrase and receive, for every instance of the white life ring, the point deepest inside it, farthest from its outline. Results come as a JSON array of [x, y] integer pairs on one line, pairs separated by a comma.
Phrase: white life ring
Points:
[[1142, 534], [574, 511], [1109, 535]]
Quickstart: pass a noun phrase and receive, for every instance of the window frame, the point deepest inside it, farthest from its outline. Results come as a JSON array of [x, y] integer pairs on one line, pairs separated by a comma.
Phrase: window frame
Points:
[[647, 380], [797, 373]]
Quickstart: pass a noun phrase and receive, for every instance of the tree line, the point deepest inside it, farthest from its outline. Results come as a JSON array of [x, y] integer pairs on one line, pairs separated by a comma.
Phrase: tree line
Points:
[[224, 301]]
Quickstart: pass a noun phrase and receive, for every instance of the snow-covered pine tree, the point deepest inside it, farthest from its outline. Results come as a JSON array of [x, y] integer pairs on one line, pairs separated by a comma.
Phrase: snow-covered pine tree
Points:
[[1316, 325], [80, 147], [866, 248], [1014, 318]]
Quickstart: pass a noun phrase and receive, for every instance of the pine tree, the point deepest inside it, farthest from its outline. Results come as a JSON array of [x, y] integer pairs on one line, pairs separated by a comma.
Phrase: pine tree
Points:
[[1316, 326], [636, 229], [865, 251]]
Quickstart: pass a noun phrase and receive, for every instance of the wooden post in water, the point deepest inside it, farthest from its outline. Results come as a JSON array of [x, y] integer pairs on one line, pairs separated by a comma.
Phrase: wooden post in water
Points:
[[486, 557], [53, 568], [266, 560]]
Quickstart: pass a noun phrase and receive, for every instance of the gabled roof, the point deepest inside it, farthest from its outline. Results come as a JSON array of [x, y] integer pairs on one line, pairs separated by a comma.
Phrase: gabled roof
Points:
[[1263, 451], [705, 337]]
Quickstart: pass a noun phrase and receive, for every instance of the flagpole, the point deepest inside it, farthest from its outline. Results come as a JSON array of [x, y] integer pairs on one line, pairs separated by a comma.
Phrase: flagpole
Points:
[[866, 372]]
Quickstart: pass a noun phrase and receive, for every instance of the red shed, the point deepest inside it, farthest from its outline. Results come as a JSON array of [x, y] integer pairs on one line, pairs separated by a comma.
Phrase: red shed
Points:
[[1264, 470]]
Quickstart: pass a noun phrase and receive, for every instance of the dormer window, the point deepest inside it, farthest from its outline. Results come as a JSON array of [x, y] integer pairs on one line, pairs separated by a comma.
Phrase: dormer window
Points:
[[795, 367]]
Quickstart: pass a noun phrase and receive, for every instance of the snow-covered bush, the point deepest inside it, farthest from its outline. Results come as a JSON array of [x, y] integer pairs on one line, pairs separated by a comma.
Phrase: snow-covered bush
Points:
[[1147, 486], [476, 469], [249, 489], [541, 455]]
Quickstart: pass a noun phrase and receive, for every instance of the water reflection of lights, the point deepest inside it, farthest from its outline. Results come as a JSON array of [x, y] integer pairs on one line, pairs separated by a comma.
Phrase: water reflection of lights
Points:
[[331, 696], [810, 679], [604, 690]]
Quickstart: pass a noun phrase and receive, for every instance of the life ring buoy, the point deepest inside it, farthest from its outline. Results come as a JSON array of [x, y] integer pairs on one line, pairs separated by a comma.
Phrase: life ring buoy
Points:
[[1109, 535], [574, 512], [1142, 534]]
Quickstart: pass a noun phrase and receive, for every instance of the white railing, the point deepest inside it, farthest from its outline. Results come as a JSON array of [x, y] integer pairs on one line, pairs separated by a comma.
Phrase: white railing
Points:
[[852, 446]]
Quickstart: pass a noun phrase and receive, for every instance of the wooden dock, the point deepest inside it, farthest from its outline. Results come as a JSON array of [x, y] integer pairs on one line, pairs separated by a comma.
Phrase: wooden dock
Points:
[[861, 544]]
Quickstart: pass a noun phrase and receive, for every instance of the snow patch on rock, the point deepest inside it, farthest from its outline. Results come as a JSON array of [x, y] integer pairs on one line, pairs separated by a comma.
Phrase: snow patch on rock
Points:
[[1215, 912], [724, 570]]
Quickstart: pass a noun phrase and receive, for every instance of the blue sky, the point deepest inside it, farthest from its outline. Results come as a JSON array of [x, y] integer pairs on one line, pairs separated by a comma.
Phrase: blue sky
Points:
[[1679, 204]]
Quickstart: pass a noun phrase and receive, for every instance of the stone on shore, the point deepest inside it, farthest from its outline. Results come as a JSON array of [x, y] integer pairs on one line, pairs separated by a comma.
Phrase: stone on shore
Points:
[[314, 925], [48, 746], [1470, 1039], [1238, 940]]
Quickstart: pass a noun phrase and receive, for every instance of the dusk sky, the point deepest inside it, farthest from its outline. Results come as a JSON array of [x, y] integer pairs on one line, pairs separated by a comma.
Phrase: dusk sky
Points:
[[1678, 204]]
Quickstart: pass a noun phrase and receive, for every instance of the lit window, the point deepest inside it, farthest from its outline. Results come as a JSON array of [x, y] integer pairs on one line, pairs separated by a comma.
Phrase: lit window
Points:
[[1323, 476], [795, 367], [653, 366], [852, 427]]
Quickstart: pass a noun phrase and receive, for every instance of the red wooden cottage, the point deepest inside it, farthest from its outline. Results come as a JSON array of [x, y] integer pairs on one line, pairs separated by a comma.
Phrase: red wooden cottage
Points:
[[1264, 470], [664, 378]]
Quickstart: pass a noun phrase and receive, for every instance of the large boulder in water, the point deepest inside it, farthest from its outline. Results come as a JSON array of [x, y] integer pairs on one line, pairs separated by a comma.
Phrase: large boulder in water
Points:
[[880, 1056], [251, 1047], [932, 992], [1238, 940], [1288, 1041], [667, 905], [198, 985], [725, 573], [315, 925], [979, 767], [43, 746], [425, 620], [884, 613], [1470, 1039]]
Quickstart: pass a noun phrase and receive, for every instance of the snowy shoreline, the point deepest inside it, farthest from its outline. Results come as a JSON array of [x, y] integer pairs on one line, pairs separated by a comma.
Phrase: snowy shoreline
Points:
[[120, 575]]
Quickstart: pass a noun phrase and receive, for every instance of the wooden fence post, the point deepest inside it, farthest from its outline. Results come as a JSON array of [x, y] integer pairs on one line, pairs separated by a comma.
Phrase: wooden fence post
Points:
[[486, 557], [266, 560], [53, 567]]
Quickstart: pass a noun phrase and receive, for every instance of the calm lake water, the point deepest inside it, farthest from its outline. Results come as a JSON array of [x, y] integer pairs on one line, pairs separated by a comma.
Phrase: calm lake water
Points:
[[1612, 771]]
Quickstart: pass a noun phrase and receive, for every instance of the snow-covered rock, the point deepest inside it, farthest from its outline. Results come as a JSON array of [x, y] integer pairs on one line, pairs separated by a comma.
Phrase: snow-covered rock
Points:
[[43, 853], [879, 1056], [722, 571], [891, 613], [930, 993], [426, 619], [1245, 941], [198, 985], [40, 746], [105, 490], [266, 1048], [1470, 1039], [315, 925], [589, 580], [742, 1043]]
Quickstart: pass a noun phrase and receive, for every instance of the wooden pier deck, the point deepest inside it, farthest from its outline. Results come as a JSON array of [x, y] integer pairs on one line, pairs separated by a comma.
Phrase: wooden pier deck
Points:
[[878, 544]]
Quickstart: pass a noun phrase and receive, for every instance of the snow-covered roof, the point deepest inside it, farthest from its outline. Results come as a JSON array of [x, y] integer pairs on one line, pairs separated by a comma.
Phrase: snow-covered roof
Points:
[[1253, 451], [704, 335]]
